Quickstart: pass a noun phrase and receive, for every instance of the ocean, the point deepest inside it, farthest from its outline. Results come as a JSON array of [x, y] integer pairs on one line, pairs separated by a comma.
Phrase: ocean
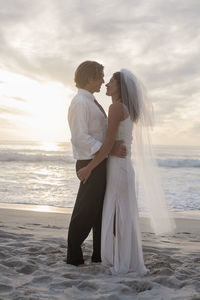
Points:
[[44, 174]]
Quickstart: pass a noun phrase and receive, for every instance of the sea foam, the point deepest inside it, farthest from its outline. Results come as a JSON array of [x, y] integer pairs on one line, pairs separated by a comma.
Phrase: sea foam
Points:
[[58, 157]]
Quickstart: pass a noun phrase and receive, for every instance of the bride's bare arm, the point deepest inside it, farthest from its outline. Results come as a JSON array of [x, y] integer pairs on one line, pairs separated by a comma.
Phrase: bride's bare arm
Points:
[[115, 115]]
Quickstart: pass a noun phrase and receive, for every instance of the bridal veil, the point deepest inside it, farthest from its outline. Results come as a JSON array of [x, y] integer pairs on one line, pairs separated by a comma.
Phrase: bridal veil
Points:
[[147, 173]]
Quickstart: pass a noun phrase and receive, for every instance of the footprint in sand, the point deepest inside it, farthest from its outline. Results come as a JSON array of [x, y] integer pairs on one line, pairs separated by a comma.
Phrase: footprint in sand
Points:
[[7, 235], [34, 249], [26, 269], [12, 262], [86, 285], [4, 288], [42, 279], [64, 284], [52, 227], [33, 224]]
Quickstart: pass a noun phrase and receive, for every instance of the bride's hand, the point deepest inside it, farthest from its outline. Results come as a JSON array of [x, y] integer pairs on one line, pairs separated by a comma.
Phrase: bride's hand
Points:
[[83, 174]]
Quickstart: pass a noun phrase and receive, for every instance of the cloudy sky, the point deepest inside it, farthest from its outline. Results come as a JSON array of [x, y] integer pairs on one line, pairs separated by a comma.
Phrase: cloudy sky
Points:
[[43, 41]]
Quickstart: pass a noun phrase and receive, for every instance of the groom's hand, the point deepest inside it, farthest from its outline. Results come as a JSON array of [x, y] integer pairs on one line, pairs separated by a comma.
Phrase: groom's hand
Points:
[[119, 149]]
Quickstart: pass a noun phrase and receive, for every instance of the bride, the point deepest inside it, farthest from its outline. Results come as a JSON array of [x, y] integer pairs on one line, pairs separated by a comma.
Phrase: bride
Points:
[[129, 118]]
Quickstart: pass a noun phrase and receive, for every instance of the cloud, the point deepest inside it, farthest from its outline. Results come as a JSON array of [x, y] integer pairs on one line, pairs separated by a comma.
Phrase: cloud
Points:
[[196, 128], [5, 123], [158, 40], [138, 34], [11, 110], [19, 99]]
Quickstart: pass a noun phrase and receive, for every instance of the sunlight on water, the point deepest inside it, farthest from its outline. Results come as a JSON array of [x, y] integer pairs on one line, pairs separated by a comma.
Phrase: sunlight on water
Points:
[[43, 174], [49, 146], [51, 209], [36, 208], [44, 208]]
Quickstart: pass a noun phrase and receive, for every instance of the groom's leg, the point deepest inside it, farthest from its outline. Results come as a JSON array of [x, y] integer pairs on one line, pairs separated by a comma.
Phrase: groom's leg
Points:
[[96, 230], [77, 228], [86, 211], [100, 193]]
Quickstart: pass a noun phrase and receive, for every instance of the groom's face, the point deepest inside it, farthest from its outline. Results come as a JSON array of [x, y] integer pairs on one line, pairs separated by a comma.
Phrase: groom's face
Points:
[[95, 84]]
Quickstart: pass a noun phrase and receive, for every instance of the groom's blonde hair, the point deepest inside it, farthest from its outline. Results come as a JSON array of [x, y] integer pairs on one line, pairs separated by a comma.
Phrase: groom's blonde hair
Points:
[[87, 70]]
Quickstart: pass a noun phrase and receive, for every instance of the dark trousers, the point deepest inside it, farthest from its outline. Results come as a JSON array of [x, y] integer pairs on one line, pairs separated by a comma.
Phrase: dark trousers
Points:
[[87, 214]]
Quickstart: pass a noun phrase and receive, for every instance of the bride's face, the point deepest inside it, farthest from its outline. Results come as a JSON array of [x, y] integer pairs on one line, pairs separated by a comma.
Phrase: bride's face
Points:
[[112, 88]]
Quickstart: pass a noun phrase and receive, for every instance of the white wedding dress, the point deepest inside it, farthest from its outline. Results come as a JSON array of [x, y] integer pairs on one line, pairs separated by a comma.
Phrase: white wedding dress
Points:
[[122, 251]]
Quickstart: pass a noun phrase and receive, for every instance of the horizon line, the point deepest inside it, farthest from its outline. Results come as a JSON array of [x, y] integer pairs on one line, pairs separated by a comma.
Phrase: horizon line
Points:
[[64, 141]]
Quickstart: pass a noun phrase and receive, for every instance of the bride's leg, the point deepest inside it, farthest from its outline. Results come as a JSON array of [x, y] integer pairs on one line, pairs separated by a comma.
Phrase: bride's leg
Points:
[[114, 224]]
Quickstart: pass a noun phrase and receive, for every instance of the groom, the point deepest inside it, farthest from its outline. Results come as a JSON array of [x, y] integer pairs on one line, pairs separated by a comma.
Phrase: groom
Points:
[[88, 124]]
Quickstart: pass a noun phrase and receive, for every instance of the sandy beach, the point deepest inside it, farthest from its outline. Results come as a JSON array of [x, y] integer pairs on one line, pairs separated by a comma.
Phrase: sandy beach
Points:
[[33, 250]]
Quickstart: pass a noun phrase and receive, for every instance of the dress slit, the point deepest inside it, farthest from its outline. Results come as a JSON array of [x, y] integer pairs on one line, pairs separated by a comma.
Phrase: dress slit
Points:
[[114, 223], [121, 241]]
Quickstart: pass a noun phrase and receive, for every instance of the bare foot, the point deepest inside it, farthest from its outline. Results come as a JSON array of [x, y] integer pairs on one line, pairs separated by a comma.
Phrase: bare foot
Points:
[[82, 265]]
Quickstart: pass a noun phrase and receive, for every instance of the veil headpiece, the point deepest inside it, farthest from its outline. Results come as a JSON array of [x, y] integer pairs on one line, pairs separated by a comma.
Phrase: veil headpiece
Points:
[[147, 173]]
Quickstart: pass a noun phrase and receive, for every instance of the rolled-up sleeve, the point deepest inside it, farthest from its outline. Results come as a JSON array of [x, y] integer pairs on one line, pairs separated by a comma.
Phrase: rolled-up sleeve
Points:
[[80, 138]]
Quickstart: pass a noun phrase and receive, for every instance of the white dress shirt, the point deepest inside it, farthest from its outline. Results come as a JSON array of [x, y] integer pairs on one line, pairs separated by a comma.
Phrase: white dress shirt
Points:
[[88, 125]]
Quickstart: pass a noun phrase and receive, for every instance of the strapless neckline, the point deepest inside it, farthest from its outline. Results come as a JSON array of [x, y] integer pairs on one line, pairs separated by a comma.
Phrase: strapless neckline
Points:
[[128, 118]]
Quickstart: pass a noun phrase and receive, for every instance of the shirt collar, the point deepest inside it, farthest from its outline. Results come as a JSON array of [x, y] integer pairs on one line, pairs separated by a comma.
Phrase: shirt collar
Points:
[[86, 93]]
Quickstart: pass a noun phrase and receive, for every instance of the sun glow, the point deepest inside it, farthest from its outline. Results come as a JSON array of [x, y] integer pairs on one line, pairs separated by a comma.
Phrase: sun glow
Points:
[[37, 110], [49, 146], [44, 208]]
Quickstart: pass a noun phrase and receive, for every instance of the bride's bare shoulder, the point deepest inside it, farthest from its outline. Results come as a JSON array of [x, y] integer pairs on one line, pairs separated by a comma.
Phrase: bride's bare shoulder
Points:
[[117, 106], [116, 109], [119, 109]]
